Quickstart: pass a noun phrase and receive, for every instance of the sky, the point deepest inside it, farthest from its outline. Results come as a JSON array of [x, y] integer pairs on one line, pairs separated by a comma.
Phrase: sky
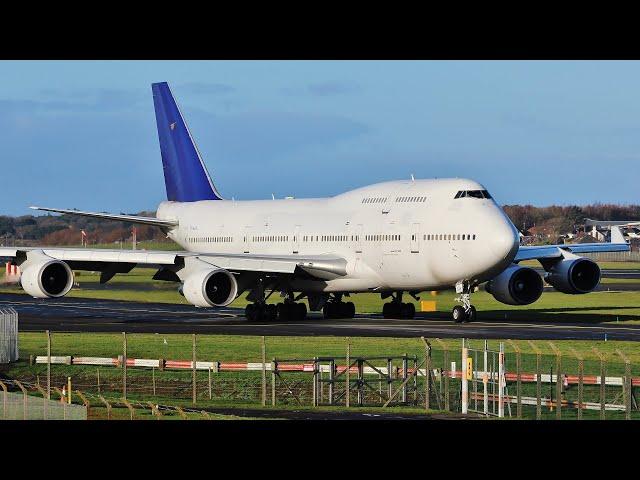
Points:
[[82, 134]]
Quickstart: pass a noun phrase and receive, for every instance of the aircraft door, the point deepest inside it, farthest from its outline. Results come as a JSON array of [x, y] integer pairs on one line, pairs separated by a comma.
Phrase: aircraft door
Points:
[[358, 238], [415, 238], [248, 240], [295, 241]]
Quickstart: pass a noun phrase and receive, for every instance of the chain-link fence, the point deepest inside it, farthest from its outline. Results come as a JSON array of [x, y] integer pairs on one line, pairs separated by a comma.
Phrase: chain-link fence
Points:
[[541, 380]]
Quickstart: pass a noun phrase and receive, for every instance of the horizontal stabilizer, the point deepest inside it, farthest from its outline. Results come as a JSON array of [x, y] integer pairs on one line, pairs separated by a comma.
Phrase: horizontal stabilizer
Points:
[[108, 216]]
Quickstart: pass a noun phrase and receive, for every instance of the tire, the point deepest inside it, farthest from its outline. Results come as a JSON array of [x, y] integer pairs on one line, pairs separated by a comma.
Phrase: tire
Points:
[[272, 312], [283, 312], [472, 314], [249, 312], [386, 310], [300, 311], [458, 314], [350, 309], [408, 310]]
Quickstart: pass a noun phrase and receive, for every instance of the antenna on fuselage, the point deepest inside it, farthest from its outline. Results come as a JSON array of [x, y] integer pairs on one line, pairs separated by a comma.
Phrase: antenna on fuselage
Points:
[[412, 178], [273, 197]]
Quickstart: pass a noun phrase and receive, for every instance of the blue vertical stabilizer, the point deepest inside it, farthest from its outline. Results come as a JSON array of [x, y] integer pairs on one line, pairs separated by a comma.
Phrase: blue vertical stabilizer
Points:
[[185, 174]]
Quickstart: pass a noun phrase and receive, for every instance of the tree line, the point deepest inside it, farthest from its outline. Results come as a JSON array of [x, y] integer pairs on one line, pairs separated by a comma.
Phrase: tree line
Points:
[[66, 229]]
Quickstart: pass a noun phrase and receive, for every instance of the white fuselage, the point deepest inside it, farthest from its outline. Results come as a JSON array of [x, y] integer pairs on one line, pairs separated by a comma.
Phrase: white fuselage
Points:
[[399, 235]]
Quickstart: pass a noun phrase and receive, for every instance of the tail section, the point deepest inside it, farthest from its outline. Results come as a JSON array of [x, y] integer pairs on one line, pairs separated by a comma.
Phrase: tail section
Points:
[[185, 174]]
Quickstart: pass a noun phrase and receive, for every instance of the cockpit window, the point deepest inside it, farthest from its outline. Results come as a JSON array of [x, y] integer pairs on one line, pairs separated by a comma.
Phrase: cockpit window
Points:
[[473, 194]]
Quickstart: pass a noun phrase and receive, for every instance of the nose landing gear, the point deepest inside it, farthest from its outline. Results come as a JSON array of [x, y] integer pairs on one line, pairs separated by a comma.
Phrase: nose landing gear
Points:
[[465, 312]]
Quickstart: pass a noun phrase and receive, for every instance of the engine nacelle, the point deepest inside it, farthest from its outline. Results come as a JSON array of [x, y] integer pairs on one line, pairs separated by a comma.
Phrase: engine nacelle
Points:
[[516, 286], [44, 278], [574, 275], [210, 288]]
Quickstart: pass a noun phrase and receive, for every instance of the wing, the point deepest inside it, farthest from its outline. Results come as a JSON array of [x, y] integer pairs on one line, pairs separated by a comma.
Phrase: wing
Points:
[[122, 261], [109, 216], [617, 244]]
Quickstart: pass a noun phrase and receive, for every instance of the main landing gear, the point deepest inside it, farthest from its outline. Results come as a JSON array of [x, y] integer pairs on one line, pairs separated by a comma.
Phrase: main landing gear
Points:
[[261, 311], [284, 312], [336, 308], [465, 312], [397, 309]]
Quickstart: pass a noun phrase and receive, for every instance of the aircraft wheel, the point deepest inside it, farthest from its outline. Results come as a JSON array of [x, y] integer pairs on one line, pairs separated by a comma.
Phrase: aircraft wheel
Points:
[[283, 312], [249, 312], [300, 311], [350, 310], [271, 312], [472, 314], [408, 310], [458, 314]]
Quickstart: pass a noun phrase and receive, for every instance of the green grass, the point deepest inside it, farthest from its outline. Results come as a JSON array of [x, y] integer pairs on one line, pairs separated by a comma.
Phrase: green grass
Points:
[[596, 307]]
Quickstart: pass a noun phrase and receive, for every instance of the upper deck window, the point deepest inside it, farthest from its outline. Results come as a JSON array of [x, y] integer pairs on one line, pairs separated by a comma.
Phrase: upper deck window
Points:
[[473, 194]]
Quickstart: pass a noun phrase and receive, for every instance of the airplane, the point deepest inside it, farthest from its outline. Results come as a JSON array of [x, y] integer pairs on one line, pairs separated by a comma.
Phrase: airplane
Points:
[[390, 238]]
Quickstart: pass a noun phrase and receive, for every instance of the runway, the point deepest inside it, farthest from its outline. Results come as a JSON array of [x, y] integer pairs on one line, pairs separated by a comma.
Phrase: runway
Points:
[[73, 314]]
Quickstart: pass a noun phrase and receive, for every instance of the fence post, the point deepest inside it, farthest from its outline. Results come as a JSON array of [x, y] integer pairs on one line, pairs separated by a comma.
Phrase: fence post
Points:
[[264, 371], [132, 410], [445, 361], [427, 373], [274, 367], [98, 378], [314, 401], [580, 381], [405, 367], [485, 379], [124, 365], [85, 401], [538, 381], [45, 402], [603, 383], [48, 365], [332, 373], [210, 389], [501, 381], [465, 385], [4, 400], [348, 380], [518, 380], [24, 399], [626, 384], [558, 380], [107, 404], [193, 362]]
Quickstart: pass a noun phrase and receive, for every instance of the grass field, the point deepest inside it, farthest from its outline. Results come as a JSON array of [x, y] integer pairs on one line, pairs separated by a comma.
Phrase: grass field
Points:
[[605, 306], [242, 389]]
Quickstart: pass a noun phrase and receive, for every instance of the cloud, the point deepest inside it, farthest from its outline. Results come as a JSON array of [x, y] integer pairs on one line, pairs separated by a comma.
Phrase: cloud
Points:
[[206, 88]]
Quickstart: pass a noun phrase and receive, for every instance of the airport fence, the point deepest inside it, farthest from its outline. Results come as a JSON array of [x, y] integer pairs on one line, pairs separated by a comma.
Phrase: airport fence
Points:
[[150, 372]]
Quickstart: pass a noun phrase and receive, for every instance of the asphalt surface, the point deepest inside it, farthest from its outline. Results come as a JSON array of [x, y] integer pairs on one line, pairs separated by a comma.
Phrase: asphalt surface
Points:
[[72, 314]]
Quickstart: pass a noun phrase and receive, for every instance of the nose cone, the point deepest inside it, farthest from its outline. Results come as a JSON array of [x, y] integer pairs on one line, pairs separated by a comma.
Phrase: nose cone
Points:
[[505, 240]]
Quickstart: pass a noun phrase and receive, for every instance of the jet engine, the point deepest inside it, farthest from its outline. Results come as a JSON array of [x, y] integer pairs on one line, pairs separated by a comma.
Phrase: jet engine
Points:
[[516, 286], [210, 288], [573, 275], [44, 278]]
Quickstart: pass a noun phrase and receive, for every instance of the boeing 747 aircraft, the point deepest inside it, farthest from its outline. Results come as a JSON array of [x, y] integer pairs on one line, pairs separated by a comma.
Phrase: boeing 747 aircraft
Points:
[[389, 238]]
